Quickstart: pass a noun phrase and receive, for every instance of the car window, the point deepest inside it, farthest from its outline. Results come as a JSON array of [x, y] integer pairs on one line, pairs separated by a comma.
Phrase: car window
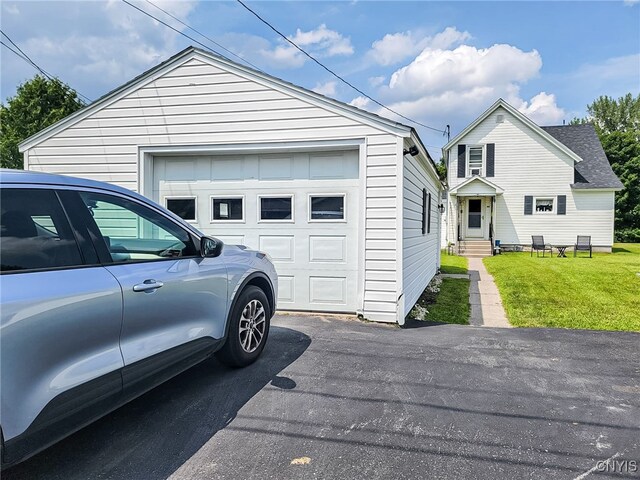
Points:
[[135, 233], [35, 233]]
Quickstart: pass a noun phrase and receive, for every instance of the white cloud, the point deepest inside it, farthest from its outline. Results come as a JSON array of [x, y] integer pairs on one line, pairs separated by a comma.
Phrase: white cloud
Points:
[[321, 42], [377, 81], [542, 109], [12, 9], [455, 84], [396, 47], [96, 46], [329, 42], [328, 88], [464, 68], [630, 3], [361, 102]]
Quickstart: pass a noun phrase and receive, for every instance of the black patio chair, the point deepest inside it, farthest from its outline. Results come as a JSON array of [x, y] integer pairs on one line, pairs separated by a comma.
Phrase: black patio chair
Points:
[[537, 244], [583, 244]]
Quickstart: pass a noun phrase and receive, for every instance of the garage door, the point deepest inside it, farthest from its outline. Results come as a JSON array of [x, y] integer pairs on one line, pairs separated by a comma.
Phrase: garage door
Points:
[[301, 208]]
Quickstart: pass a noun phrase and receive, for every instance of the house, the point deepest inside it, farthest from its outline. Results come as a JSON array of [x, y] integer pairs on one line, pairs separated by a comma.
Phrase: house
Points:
[[509, 179], [344, 201]]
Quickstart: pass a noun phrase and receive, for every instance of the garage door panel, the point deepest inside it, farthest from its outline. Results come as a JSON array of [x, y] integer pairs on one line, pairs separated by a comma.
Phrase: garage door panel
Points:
[[330, 290], [232, 239], [276, 168], [328, 249], [286, 289], [228, 168], [279, 247]]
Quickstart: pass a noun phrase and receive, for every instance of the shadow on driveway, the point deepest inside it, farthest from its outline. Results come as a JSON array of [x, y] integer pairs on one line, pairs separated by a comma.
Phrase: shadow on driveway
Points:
[[155, 434]]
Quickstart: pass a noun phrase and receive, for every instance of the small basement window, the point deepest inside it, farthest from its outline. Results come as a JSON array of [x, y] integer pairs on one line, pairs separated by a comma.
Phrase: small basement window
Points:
[[326, 207], [227, 209], [544, 205], [184, 207], [275, 209]]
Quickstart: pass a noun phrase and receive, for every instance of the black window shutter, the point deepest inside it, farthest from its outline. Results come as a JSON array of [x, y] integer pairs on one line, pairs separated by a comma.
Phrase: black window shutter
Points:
[[462, 161], [528, 205], [562, 205], [429, 215], [424, 211], [491, 159]]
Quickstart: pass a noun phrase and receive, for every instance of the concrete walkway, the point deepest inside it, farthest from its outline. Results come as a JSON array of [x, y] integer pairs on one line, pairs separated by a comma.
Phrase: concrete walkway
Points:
[[486, 305]]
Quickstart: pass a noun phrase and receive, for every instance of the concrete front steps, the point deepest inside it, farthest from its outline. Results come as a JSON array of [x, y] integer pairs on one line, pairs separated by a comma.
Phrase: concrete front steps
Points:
[[475, 248]]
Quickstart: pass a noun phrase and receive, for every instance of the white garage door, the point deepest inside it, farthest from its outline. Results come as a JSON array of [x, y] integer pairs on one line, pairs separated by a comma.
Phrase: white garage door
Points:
[[301, 208]]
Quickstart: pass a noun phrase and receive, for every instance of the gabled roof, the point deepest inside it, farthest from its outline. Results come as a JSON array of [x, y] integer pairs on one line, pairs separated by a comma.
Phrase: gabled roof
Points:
[[520, 116], [476, 178], [594, 171], [226, 64]]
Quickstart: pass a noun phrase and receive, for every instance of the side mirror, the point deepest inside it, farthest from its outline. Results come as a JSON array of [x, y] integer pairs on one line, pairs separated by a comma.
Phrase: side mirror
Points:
[[210, 247]]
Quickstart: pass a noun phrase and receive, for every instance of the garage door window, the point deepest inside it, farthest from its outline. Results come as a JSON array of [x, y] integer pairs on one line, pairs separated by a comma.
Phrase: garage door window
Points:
[[276, 209], [184, 207], [227, 209], [326, 208]]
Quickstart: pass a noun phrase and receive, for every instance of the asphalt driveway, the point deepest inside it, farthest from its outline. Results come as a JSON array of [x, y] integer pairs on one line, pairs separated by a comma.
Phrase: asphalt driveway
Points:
[[345, 399]]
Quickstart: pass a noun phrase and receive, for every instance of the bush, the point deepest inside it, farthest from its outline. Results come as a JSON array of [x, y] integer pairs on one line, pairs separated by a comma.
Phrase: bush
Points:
[[628, 235]]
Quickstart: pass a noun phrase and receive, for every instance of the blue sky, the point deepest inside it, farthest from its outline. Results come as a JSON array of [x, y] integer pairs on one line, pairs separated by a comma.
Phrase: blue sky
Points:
[[436, 62]]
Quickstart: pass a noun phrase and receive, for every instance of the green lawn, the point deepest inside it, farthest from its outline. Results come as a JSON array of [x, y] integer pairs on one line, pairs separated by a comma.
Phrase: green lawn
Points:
[[452, 263], [449, 305], [599, 293]]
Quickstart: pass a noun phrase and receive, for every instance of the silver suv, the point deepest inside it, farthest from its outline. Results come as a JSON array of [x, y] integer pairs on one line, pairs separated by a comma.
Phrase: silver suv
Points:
[[105, 295]]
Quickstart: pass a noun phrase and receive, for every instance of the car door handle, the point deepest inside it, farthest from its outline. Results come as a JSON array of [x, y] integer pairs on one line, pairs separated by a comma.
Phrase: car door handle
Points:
[[147, 286]]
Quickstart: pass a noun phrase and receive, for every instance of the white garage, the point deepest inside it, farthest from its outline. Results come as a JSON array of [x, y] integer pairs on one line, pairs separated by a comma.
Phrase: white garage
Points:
[[344, 201]]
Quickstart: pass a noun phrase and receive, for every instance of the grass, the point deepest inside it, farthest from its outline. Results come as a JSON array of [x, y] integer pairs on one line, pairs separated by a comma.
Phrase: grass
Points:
[[599, 293], [449, 305], [452, 263]]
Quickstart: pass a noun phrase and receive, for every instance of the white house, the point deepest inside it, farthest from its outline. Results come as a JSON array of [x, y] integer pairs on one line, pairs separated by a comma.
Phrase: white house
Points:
[[509, 179], [331, 192]]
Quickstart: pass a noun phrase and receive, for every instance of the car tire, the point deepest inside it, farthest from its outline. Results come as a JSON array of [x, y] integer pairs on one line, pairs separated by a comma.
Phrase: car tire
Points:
[[248, 329]]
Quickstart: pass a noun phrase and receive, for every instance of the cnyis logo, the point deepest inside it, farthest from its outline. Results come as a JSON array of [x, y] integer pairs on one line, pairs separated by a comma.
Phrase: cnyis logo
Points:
[[617, 466]]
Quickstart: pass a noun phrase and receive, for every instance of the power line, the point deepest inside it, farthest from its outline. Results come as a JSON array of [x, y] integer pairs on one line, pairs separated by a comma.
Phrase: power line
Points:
[[440, 130], [203, 35], [172, 28], [26, 58]]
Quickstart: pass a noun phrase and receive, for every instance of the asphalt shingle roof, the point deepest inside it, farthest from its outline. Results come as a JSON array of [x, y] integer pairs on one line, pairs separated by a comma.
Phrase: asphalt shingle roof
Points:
[[594, 171]]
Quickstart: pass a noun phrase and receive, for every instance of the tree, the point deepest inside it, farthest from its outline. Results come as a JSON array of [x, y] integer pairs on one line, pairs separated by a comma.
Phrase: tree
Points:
[[37, 104], [441, 167], [617, 123]]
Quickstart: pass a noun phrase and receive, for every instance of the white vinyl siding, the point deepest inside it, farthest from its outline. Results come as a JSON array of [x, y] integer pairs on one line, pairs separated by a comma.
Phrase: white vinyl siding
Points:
[[526, 164], [420, 252], [198, 103]]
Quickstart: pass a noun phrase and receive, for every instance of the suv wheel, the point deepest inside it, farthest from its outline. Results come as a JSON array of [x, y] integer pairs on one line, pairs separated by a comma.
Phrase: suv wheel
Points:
[[248, 329]]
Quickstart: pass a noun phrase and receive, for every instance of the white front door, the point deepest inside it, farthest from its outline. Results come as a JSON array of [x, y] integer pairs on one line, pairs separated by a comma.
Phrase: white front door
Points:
[[474, 218], [301, 208]]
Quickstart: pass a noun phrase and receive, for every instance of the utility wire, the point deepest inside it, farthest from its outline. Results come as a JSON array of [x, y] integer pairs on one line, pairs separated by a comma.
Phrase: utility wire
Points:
[[172, 28], [26, 58], [440, 130], [203, 35]]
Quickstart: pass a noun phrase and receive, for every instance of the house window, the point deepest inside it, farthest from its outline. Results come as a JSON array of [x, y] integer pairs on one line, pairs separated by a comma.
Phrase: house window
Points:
[[475, 161], [544, 205], [184, 207], [227, 209], [275, 209], [326, 207]]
